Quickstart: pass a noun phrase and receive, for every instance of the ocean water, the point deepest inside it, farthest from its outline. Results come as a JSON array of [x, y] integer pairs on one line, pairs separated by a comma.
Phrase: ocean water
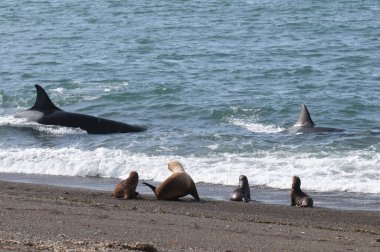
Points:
[[215, 83]]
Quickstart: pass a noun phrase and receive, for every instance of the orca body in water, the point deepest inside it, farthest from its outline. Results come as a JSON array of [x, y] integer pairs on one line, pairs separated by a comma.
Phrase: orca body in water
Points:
[[45, 112]]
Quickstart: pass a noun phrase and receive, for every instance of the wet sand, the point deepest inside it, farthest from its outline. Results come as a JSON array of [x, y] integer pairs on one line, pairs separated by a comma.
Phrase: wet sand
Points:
[[40, 217]]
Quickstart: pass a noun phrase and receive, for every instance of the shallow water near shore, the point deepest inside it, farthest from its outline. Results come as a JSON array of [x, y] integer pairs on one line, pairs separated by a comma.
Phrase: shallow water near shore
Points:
[[334, 200]]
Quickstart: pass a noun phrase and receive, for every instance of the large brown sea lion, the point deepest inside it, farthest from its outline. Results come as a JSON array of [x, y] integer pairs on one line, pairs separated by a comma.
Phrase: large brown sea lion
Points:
[[298, 197], [177, 185], [242, 192], [127, 188]]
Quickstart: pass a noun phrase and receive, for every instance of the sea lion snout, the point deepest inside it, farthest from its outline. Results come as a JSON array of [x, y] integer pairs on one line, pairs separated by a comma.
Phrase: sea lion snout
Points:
[[243, 178]]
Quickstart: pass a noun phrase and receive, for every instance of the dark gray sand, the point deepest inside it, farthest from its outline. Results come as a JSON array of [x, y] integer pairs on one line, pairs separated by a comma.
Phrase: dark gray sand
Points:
[[49, 218], [335, 200]]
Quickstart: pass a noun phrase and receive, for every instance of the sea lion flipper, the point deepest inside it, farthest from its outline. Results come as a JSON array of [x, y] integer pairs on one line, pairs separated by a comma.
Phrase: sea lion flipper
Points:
[[247, 197], [194, 193], [293, 202], [150, 186], [193, 190], [307, 202]]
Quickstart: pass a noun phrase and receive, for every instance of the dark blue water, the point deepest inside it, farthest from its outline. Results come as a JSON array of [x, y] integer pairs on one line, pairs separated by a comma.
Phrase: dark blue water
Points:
[[214, 81]]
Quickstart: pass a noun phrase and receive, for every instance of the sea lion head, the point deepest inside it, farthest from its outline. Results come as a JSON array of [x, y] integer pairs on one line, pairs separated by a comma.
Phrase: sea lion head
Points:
[[175, 166], [296, 185], [134, 175], [130, 185], [243, 181], [133, 179]]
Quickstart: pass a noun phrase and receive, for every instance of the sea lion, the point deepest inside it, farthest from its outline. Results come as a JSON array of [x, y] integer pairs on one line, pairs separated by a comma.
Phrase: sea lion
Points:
[[242, 192], [177, 185], [126, 189], [298, 197]]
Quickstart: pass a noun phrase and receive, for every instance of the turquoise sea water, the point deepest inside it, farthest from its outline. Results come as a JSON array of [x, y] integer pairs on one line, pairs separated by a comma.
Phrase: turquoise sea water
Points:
[[214, 81]]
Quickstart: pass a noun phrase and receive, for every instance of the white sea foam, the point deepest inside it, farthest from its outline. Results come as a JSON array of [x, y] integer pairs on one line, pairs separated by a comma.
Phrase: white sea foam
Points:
[[355, 171], [90, 98], [10, 120], [256, 127], [213, 146], [115, 86], [252, 123], [61, 91], [58, 90]]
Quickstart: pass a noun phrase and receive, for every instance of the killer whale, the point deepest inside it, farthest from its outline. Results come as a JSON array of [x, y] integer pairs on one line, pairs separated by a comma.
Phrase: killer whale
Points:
[[305, 124], [45, 112]]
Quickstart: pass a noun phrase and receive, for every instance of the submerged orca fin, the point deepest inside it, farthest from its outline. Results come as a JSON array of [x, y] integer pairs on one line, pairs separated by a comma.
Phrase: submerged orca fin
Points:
[[304, 119], [150, 186], [43, 102]]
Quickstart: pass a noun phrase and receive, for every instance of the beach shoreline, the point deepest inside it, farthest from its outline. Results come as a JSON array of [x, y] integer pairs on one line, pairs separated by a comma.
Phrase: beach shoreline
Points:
[[215, 192], [44, 217]]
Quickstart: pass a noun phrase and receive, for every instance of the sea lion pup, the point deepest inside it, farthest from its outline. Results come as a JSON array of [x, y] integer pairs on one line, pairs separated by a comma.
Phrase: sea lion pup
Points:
[[298, 197], [242, 193], [126, 189], [177, 185]]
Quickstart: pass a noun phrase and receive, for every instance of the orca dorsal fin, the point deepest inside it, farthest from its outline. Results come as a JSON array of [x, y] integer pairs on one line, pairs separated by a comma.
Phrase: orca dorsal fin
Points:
[[43, 102], [304, 119]]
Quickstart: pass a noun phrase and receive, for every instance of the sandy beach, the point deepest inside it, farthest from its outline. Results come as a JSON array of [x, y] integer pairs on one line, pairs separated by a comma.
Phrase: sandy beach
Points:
[[50, 218]]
